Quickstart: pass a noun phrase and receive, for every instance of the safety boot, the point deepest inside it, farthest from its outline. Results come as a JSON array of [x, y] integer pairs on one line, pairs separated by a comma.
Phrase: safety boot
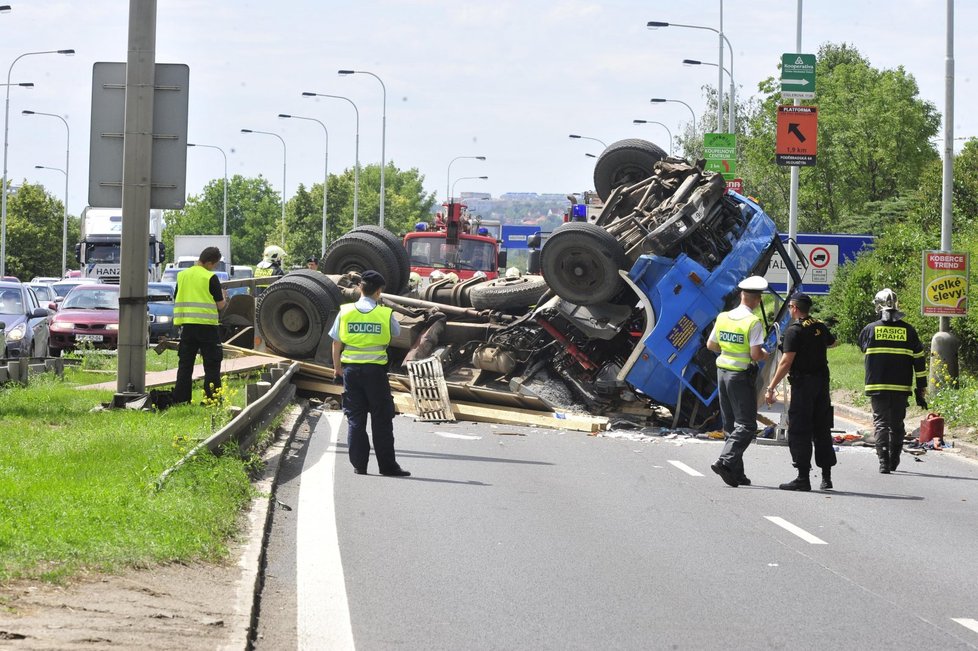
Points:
[[826, 479], [895, 458], [800, 483], [884, 456]]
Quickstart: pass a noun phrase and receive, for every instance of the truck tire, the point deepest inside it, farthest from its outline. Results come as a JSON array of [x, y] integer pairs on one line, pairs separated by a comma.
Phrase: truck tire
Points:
[[361, 251], [625, 162], [580, 262], [322, 280], [293, 314], [506, 293], [397, 246]]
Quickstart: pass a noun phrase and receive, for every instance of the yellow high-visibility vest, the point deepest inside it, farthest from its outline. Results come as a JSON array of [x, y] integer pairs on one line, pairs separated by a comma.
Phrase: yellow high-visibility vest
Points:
[[194, 303], [733, 335], [365, 336]]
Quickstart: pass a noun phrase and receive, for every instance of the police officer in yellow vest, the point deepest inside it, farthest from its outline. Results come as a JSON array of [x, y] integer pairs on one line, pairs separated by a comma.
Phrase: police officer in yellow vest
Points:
[[738, 336], [198, 300], [360, 334]]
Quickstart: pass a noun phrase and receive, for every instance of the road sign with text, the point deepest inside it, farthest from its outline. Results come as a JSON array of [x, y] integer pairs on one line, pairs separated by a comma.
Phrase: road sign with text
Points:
[[721, 152], [798, 76], [797, 138]]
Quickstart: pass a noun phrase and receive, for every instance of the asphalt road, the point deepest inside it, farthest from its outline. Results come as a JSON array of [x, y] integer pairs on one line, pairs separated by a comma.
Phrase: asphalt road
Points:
[[512, 537]]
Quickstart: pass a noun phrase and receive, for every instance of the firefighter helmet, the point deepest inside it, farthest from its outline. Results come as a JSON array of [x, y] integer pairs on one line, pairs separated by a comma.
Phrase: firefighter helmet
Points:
[[885, 299], [274, 253]]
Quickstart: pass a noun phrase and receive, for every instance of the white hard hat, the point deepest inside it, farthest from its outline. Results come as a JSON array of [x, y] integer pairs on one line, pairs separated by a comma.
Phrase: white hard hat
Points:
[[885, 299], [414, 279], [437, 274], [755, 284], [513, 272], [452, 276], [273, 252]]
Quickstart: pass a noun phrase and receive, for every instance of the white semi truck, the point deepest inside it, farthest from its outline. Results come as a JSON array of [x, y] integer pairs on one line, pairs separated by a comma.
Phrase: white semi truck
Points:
[[187, 248], [99, 252]]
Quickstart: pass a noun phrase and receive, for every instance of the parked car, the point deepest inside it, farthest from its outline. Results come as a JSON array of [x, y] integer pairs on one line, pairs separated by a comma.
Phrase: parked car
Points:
[[45, 280], [89, 314], [27, 323], [62, 287], [161, 311], [45, 293]]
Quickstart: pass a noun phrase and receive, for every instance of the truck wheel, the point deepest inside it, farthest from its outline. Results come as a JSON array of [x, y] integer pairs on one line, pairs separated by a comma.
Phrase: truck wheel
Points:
[[505, 293], [397, 246], [322, 280], [293, 314], [623, 163], [359, 252], [581, 261]]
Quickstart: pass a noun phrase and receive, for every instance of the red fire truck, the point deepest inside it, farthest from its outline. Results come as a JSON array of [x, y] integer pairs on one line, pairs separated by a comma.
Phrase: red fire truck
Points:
[[447, 245]]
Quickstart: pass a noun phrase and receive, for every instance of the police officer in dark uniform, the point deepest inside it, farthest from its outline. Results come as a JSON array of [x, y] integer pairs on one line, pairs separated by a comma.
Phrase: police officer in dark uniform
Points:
[[360, 334], [810, 411], [894, 361]]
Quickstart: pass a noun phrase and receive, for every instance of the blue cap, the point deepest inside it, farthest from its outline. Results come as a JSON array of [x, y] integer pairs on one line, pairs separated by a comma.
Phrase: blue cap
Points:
[[373, 277]]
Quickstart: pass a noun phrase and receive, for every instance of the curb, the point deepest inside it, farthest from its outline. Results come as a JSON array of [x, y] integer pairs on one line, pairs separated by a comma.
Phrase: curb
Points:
[[255, 534], [965, 449]]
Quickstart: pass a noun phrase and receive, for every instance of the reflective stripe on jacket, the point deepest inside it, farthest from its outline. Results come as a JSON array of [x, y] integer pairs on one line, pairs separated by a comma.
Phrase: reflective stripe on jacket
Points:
[[733, 335], [895, 358], [365, 335], [194, 303]]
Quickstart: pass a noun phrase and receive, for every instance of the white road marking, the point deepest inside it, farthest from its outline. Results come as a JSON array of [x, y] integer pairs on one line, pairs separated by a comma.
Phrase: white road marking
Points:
[[322, 611], [453, 435], [798, 531], [686, 469], [967, 623]]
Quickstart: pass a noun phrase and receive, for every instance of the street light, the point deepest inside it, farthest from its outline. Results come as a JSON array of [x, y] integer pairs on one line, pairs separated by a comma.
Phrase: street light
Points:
[[730, 108], [284, 160], [383, 133], [322, 248], [659, 100], [652, 24], [224, 229], [668, 130], [6, 129], [4, 9], [577, 137], [590, 155], [448, 179], [467, 178], [64, 229], [356, 167]]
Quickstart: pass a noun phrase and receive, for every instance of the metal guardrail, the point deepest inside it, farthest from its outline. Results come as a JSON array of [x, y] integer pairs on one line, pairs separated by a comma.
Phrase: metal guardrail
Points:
[[245, 426]]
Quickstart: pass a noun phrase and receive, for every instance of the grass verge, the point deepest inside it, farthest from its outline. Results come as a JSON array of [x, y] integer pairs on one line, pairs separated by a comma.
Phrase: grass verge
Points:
[[77, 487]]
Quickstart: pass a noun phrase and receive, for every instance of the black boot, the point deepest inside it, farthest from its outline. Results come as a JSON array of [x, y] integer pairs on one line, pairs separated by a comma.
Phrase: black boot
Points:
[[800, 483], [895, 458], [884, 455], [826, 479]]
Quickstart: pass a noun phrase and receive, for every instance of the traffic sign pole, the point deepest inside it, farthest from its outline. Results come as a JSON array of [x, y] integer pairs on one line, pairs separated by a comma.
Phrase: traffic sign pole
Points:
[[793, 197]]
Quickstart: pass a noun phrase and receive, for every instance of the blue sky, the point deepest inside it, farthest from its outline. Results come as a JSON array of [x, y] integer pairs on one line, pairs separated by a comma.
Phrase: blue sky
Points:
[[505, 79]]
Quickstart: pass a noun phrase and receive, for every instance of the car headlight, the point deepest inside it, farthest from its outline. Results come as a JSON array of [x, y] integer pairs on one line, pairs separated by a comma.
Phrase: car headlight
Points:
[[17, 332], [62, 325], [163, 318], [112, 326]]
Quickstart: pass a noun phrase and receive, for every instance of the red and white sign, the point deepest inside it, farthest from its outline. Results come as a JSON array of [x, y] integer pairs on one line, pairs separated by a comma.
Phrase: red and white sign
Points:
[[737, 185], [819, 257]]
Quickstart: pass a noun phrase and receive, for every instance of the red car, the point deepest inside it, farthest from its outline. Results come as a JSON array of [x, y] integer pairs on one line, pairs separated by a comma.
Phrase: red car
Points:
[[89, 315]]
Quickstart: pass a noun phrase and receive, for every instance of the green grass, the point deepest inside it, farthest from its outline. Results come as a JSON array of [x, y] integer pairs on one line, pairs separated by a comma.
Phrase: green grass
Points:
[[77, 488]]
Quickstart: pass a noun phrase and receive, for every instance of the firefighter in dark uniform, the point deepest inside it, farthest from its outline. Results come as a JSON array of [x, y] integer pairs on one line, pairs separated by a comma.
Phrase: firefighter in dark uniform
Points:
[[894, 363], [738, 336], [360, 334], [199, 297], [805, 363]]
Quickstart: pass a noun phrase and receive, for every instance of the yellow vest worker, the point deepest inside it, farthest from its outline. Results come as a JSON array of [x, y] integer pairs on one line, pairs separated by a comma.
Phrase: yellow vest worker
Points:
[[198, 301]]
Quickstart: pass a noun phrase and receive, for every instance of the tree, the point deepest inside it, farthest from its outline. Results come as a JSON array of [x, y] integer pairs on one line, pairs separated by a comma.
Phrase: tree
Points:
[[873, 141], [34, 233]]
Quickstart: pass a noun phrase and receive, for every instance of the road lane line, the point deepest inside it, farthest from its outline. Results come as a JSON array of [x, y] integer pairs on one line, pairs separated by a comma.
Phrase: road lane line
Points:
[[967, 623], [322, 610], [686, 469], [453, 435], [798, 531]]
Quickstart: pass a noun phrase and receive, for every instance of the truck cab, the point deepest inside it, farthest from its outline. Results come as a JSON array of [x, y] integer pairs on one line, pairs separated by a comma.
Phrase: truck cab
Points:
[[450, 245], [99, 251]]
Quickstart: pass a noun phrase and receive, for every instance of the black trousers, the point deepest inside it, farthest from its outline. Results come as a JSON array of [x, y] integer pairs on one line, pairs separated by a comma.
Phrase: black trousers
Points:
[[810, 422], [889, 412], [366, 390], [738, 409], [205, 339]]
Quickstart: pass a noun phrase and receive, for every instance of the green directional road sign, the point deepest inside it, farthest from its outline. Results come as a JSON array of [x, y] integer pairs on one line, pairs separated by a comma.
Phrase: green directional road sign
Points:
[[798, 76], [721, 152]]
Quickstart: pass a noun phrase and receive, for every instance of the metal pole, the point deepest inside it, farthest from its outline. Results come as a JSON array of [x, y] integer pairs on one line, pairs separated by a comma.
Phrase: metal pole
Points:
[[64, 227], [383, 135], [326, 168], [136, 198], [668, 130], [947, 183], [284, 162], [356, 168], [720, 74], [793, 196]]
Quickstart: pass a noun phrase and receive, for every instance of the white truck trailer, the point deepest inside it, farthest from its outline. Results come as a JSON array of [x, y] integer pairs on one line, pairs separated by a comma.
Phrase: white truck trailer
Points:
[[99, 252], [187, 248]]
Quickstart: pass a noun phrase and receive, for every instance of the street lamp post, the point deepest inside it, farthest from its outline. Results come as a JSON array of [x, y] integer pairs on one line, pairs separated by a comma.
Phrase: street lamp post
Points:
[[730, 107], [577, 137], [322, 248], [467, 178], [383, 133], [284, 160], [652, 24], [356, 167], [224, 229], [64, 229], [660, 100], [6, 130], [448, 179], [668, 130]]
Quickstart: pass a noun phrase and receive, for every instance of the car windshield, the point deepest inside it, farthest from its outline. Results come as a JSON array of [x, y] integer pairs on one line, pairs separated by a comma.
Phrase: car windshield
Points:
[[160, 293], [11, 302], [468, 254], [62, 289], [170, 275], [91, 298], [43, 292]]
